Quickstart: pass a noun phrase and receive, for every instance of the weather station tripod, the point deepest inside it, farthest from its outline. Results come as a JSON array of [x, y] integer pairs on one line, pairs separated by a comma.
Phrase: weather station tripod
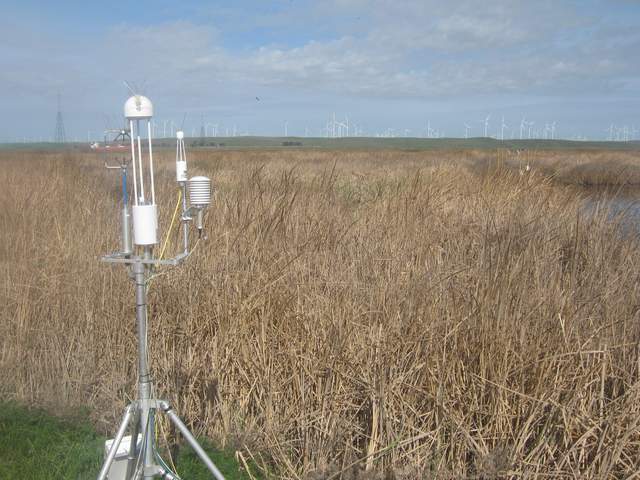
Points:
[[137, 456], [143, 460]]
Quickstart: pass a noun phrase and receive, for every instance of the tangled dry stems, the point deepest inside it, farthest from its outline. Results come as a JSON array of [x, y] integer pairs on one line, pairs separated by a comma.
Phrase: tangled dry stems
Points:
[[354, 315]]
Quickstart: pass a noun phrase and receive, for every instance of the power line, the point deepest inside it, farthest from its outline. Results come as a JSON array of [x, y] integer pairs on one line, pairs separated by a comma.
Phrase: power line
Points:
[[60, 136]]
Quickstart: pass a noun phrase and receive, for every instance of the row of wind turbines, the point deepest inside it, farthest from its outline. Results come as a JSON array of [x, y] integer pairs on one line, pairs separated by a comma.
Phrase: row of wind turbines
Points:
[[622, 133], [334, 128], [341, 128], [168, 129], [526, 130]]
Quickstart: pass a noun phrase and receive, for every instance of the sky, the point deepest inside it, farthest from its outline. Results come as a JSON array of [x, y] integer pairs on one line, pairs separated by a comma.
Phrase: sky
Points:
[[391, 67]]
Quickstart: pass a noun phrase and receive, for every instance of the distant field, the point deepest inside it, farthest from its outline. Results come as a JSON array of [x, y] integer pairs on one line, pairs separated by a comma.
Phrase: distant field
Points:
[[366, 143], [352, 313]]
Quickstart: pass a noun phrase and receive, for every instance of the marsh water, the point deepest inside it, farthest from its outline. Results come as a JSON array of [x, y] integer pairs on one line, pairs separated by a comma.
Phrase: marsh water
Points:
[[621, 205]]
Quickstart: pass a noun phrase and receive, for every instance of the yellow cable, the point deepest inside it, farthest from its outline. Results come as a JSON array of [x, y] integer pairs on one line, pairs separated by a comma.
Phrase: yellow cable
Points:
[[164, 248], [173, 219]]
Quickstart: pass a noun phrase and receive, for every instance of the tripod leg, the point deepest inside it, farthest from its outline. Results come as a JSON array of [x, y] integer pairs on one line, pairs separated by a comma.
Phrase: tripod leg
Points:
[[173, 416], [116, 443], [148, 441], [133, 446]]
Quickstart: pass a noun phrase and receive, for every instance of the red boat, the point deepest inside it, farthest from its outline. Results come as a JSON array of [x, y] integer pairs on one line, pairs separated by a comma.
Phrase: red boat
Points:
[[116, 145], [113, 147]]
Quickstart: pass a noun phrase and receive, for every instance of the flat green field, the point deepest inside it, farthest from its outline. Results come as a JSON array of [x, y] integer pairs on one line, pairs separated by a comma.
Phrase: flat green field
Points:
[[370, 143]]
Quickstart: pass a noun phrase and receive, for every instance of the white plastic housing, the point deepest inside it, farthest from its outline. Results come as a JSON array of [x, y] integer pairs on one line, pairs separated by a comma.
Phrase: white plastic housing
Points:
[[199, 191], [118, 470], [145, 224], [138, 107], [181, 171]]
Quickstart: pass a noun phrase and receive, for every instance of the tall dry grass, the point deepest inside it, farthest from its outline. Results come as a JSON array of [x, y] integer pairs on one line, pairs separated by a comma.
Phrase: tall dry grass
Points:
[[351, 313], [602, 169]]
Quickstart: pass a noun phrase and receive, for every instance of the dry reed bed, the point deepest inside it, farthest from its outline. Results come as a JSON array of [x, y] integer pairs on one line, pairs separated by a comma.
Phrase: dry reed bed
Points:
[[349, 311], [585, 168]]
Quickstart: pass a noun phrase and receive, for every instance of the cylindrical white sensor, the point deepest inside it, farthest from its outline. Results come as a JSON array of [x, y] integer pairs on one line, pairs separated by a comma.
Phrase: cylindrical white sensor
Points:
[[181, 171], [199, 191], [145, 224]]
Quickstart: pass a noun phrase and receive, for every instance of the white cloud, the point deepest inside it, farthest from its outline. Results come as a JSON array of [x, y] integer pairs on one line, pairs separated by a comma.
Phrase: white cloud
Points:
[[373, 49], [455, 55]]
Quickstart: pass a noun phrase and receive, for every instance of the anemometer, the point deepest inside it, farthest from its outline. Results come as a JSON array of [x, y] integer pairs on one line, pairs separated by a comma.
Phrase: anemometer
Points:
[[136, 456]]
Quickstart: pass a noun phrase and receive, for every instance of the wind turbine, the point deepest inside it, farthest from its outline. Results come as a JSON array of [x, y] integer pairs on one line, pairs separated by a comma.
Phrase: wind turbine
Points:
[[610, 130], [214, 127], [486, 125], [502, 127], [522, 125], [467, 128]]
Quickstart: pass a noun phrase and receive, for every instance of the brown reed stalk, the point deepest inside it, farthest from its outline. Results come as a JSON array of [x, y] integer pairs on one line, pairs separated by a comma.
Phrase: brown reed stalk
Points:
[[430, 314]]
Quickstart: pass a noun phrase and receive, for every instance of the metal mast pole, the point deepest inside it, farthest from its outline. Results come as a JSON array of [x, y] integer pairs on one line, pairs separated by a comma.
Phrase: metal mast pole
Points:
[[145, 384]]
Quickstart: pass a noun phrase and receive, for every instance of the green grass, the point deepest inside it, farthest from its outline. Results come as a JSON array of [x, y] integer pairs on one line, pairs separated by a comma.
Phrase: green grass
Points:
[[189, 465], [35, 445]]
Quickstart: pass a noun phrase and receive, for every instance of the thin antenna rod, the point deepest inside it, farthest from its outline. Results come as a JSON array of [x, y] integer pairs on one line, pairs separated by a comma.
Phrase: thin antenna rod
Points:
[[133, 161], [140, 161], [130, 89], [153, 189]]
